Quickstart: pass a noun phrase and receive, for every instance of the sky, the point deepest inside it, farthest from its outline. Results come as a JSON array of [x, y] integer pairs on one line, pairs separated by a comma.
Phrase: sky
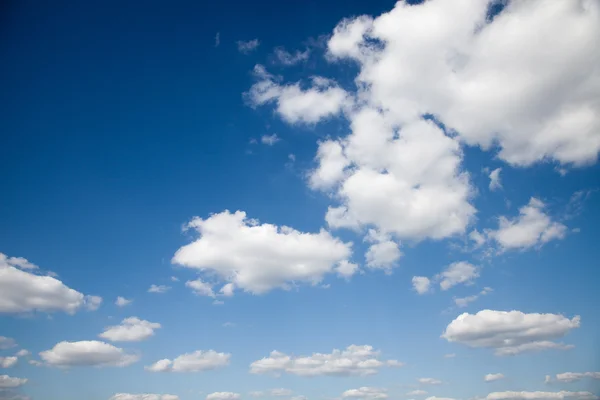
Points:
[[316, 200]]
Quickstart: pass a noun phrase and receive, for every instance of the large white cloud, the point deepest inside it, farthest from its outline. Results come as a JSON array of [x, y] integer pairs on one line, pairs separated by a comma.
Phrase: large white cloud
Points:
[[196, 361], [22, 291], [87, 353], [510, 332], [8, 382], [259, 257], [131, 329], [365, 392], [146, 396], [352, 361], [541, 395]]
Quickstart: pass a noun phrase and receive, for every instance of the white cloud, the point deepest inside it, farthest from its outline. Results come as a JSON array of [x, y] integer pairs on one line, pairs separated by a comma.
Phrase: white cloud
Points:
[[131, 329], [541, 395], [450, 355], [246, 47], [7, 382], [439, 398], [421, 284], [286, 58], [257, 393], [260, 257], [217, 39], [280, 392], [158, 289], [227, 290], [429, 381], [7, 343], [87, 353], [22, 291], [417, 392], [495, 182], [493, 377], [8, 362], [365, 393], [22, 353], [332, 164], [19, 262], [122, 301], [147, 396], [383, 253], [510, 332], [201, 288], [295, 104], [533, 227], [196, 361], [300, 397], [464, 301], [568, 377], [223, 396], [353, 361], [269, 140], [457, 273]]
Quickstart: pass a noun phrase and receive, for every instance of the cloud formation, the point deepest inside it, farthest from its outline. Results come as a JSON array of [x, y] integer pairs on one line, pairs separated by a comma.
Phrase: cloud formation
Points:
[[196, 361]]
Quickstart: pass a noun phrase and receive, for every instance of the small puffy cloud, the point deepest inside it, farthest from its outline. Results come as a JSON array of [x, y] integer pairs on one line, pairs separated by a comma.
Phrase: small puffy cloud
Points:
[[7, 362], [464, 301], [531, 228], [22, 353], [353, 361], [568, 377], [541, 395], [495, 182], [295, 104], [196, 361], [87, 353], [122, 301], [7, 343], [131, 329], [223, 396], [7, 382], [286, 58], [383, 253], [421, 284], [510, 332], [201, 288], [246, 47], [269, 140], [416, 393], [365, 393], [146, 396], [22, 291], [257, 257], [429, 381], [158, 289], [493, 377], [457, 273]]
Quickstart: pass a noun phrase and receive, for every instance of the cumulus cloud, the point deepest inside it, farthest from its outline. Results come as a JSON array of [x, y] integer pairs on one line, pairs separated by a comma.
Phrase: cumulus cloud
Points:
[[429, 381], [510, 332], [22, 291], [421, 284], [87, 354], [7, 343], [331, 165], [223, 396], [259, 257], [365, 393], [247, 47], [7, 382], [531, 228], [464, 301], [201, 288], [146, 396], [295, 104], [8, 362], [457, 273], [158, 289], [122, 301], [493, 377], [495, 183], [353, 361], [541, 395], [196, 361], [22, 353], [131, 329], [383, 253]]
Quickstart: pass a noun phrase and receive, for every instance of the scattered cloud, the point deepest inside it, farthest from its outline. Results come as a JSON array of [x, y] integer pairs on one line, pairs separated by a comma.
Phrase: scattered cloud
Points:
[[22, 353], [383, 253], [450, 355], [259, 257], [8, 362], [122, 301], [22, 291], [7, 382], [429, 381], [269, 140], [493, 377], [495, 183], [146, 396], [158, 289], [131, 329], [365, 393], [223, 396], [417, 392], [568, 377], [280, 392], [7, 343], [286, 58], [217, 39], [247, 47], [460, 272], [421, 284], [541, 395], [87, 353], [464, 301], [200, 287], [196, 361], [353, 361], [510, 332]]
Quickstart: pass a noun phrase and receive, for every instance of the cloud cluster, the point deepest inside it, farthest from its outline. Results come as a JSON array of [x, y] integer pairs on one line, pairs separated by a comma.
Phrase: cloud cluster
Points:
[[259, 257], [510, 332], [196, 361], [352, 361], [460, 272], [90, 353]]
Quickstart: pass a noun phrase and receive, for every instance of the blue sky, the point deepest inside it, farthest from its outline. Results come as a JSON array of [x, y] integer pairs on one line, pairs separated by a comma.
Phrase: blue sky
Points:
[[331, 200]]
